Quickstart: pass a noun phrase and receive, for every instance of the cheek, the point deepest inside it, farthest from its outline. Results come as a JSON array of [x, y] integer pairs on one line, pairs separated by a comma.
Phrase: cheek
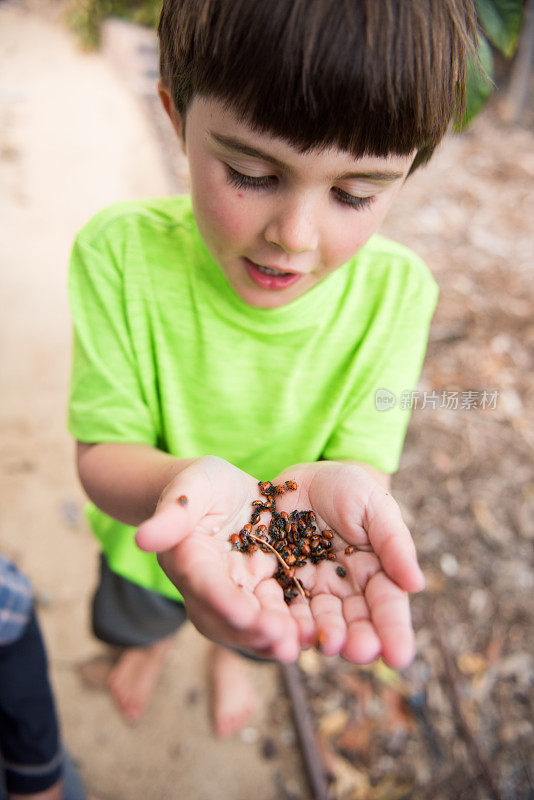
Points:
[[355, 229], [350, 236], [232, 222], [222, 213]]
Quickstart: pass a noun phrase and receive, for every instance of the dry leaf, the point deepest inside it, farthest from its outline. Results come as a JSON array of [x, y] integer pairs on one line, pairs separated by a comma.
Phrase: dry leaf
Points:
[[488, 524], [397, 715], [390, 789], [384, 674], [349, 783], [310, 661], [484, 517], [442, 461], [334, 723], [434, 581], [471, 663], [356, 739]]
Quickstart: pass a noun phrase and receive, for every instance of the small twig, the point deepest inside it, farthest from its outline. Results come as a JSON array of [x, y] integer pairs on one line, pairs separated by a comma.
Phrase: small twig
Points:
[[313, 761], [281, 560], [417, 704], [463, 726]]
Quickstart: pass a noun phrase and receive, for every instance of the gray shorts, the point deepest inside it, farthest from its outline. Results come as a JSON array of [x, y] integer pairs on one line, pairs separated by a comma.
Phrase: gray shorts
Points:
[[127, 615]]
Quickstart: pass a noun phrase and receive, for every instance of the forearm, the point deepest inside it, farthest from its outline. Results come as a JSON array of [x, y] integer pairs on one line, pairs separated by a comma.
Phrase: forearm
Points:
[[126, 480]]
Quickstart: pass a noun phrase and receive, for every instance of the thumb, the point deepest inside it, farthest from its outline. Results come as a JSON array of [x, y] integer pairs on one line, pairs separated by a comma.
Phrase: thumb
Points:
[[168, 527], [178, 513]]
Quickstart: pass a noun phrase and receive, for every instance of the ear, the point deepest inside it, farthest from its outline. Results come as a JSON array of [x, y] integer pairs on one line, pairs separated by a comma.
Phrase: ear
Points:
[[170, 109]]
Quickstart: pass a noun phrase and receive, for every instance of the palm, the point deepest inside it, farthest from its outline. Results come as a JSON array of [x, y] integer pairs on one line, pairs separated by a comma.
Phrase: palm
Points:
[[363, 613], [232, 597]]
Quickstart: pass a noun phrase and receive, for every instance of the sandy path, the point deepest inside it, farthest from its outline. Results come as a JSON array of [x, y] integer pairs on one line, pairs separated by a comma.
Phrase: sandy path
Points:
[[73, 138]]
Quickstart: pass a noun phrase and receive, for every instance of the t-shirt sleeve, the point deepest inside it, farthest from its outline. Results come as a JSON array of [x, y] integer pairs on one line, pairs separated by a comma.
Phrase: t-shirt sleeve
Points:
[[106, 396], [373, 426]]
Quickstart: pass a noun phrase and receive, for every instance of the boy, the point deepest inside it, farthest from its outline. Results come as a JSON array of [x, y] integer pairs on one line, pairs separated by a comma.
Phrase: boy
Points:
[[242, 334]]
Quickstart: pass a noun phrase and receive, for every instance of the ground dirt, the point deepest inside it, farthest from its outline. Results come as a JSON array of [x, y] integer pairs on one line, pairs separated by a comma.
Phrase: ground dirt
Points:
[[79, 131]]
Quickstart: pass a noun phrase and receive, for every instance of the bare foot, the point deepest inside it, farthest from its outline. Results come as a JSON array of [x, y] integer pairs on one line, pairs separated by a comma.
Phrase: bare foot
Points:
[[95, 671], [234, 699], [134, 677]]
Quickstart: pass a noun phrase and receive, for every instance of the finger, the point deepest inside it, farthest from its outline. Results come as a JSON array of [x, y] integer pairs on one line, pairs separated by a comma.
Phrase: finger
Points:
[[168, 527], [362, 645], [257, 619], [301, 612], [360, 567], [392, 542], [277, 622], [182, 507], [213, 627], [327, 611], [256, 640], [272, 637], [248, 569], [206, 582], [390, 614], [361, 510], [286, 651]]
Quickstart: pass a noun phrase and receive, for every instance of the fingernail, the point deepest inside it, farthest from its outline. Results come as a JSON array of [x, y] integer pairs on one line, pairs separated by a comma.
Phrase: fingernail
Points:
[[422, 579]]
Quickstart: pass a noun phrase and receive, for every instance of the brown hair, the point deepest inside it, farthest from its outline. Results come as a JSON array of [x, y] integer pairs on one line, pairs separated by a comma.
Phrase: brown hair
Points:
[[373, 77]]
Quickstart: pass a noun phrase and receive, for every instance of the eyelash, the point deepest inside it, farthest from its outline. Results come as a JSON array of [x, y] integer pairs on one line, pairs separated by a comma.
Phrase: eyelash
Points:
[[241, 181], [351, 200]]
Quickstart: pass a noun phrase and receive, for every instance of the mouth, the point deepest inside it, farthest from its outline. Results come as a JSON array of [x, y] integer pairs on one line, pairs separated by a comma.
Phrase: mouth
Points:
[[270, 277], [271, 270]]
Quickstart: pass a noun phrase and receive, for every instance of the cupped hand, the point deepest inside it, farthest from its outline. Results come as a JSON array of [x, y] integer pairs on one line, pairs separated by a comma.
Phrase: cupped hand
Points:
[[230, 596], [365, 613]]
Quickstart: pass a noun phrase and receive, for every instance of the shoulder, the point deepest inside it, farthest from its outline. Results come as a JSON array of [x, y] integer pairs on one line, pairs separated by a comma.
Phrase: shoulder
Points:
[[150, 217], [387, 266], [135, 238]]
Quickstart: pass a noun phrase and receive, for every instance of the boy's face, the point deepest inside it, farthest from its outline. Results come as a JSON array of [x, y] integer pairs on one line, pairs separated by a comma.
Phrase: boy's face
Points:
[[277, 221]]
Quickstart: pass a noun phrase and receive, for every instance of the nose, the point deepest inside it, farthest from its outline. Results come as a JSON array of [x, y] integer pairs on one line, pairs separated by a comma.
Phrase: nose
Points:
[[292, 226]]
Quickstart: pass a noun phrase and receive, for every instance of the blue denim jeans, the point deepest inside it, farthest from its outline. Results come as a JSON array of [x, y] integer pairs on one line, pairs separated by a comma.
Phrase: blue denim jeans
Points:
[[72, 784]]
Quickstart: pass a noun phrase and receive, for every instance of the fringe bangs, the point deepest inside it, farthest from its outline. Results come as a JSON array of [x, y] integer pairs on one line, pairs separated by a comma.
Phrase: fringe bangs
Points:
[[372, 77]]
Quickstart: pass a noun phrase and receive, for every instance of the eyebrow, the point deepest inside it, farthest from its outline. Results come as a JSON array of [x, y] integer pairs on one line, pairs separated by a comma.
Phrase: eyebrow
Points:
[[231, 143]]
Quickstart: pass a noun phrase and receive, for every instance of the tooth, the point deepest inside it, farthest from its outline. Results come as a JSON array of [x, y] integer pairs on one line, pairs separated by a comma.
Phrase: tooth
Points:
[[271, 271]]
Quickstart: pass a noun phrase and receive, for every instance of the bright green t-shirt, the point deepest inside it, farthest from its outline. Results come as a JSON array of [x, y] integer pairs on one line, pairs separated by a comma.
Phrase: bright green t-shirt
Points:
[[166, 354]]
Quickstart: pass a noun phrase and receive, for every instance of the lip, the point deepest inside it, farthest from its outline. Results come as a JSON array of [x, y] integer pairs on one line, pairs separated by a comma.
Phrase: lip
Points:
[[281, 281]]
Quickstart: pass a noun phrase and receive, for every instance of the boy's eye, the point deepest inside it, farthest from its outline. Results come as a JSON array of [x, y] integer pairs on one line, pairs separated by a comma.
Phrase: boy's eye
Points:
[[351, 200], [241, 181]]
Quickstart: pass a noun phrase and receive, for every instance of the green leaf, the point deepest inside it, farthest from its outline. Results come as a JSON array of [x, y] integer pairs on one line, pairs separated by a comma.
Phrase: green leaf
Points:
[[479, 84], [501, 21]]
